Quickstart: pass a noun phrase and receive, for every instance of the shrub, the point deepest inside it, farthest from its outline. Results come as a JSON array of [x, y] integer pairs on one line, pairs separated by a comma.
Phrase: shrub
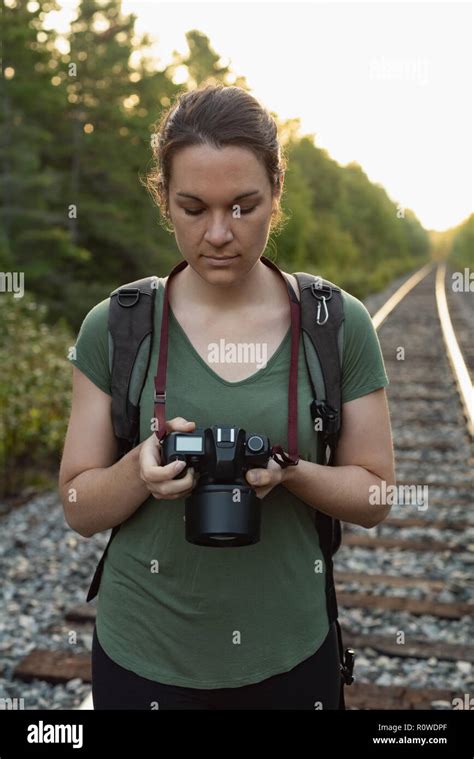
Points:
[[35, 385]]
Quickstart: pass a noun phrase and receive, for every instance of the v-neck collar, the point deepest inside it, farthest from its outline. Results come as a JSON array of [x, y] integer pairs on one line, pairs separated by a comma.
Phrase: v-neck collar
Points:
[[252, 378]]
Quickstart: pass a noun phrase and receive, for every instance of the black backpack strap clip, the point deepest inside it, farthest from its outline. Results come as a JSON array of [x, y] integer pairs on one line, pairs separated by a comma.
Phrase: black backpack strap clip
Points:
[[347, 668], [132, 293], [320, 288], [346, 665], [330, 425], [328, 415]]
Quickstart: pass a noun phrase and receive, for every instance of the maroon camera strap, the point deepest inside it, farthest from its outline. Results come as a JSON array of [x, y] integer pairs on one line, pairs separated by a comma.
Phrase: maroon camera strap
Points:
[[279, 455]]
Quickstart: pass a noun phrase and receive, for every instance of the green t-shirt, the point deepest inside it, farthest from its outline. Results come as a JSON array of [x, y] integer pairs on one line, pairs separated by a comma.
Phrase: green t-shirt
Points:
[[206, 617]]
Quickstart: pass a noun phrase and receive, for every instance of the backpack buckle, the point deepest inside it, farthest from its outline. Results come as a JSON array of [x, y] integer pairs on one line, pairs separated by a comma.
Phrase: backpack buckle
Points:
[[318, 290], [347, 668], [128, 292], [327, 413]]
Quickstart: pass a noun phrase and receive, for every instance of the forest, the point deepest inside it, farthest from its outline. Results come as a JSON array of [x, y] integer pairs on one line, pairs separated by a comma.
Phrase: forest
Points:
[[78, 112]]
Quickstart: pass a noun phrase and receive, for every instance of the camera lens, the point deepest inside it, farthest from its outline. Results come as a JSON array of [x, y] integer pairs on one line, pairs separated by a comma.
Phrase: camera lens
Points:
[[255, 444]]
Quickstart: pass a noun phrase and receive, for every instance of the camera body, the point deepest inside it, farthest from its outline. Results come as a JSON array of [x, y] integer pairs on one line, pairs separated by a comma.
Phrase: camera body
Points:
[[223, 510]]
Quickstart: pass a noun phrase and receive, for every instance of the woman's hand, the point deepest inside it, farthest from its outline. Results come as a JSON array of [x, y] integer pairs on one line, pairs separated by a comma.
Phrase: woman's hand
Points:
[[160, 479], [266, 479]]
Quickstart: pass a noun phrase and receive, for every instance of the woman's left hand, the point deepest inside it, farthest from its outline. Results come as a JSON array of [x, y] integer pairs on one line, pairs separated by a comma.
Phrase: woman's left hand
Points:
[[267, 478]]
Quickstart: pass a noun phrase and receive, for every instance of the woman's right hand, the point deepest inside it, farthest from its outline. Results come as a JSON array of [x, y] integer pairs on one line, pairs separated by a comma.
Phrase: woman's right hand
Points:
[[160, 479]]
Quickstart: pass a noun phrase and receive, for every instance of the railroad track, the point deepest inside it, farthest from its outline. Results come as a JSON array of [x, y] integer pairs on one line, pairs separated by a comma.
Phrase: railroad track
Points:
[[405, 588], [414, 579]]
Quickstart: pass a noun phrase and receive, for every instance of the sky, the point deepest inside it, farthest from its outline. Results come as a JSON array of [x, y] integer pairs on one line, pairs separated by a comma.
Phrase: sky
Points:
[[386, 84]]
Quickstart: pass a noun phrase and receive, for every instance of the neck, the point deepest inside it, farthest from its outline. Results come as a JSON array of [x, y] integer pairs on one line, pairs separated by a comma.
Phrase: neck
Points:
[[232, 297]]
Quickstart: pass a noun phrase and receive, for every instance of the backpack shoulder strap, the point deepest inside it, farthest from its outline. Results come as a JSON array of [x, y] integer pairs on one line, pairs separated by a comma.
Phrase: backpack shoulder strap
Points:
[[131, 321], [131, 317], [322, 314]]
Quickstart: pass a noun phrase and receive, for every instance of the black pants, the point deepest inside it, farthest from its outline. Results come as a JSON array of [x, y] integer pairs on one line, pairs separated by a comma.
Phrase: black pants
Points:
[[312, 684]]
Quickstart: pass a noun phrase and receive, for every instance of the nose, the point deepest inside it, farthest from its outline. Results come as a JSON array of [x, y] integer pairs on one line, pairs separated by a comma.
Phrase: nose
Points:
[[219, 230]]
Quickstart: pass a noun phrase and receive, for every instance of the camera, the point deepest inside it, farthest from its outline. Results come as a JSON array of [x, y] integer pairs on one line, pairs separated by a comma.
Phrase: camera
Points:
[[223, 510]]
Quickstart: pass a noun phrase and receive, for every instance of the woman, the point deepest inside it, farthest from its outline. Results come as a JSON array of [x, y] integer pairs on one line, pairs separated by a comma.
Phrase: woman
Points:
[[181, 626]]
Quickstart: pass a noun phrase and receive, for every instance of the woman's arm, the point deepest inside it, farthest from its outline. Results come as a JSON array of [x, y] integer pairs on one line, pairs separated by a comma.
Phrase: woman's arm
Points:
[[97, 493], [96, 490], [364, 458]]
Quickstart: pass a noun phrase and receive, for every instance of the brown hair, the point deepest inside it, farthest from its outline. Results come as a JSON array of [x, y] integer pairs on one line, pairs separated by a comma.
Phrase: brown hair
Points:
[[216, 115]]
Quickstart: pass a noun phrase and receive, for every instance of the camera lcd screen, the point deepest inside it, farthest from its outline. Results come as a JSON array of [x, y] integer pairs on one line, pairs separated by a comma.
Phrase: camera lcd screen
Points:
[[188, 444]]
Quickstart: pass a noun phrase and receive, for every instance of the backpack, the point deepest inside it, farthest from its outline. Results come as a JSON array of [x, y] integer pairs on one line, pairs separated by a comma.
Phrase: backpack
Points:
[[131, 324]]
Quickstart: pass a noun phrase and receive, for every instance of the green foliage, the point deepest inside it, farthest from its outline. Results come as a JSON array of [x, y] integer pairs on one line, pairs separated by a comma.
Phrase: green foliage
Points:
[[463, 245], [35, 389], [77, 221], [76, 141], [342, 226]]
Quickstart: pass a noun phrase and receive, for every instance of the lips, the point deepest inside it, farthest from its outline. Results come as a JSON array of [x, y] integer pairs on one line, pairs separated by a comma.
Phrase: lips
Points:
[[221, 258], [216, 262]]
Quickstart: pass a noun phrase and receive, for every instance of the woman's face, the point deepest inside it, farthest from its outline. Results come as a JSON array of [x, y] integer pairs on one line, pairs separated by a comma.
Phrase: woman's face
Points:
[[220, 203]]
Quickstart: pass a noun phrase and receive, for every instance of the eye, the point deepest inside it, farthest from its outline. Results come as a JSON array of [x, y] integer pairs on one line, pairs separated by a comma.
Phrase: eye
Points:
[[192, 213], [198, 211]]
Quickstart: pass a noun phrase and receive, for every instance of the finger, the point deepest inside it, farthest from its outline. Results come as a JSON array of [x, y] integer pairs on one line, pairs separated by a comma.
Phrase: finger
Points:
[[258, 477], [150, 453], [172, 487], [157, 474], [179, 424], [160, 497]]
